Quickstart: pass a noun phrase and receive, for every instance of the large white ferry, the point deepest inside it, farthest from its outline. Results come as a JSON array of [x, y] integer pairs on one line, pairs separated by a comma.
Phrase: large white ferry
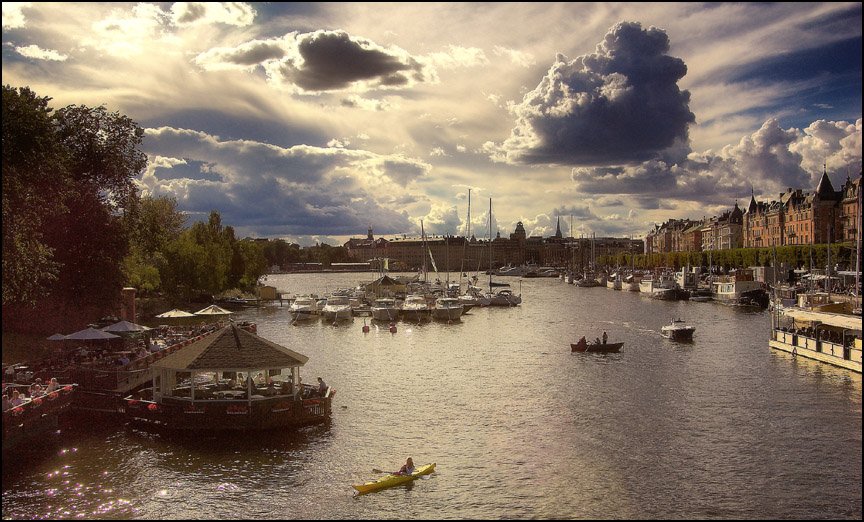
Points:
[[829, 337]]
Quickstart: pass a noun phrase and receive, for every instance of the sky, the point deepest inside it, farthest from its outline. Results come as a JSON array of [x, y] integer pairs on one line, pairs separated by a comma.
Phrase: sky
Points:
[[312, 122]]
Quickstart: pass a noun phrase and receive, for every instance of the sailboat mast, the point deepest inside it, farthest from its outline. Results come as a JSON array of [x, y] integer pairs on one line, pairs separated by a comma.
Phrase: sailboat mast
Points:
[[489, 223], [423, 239]]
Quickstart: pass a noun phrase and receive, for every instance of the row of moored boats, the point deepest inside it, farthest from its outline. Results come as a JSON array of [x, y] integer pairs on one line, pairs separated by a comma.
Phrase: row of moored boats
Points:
[[739, 288], [421, 304]]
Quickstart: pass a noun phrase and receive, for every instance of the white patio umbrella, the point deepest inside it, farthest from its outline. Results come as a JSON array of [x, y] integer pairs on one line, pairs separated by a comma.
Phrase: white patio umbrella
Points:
[[213, 310], [57, 337], [175, 314]]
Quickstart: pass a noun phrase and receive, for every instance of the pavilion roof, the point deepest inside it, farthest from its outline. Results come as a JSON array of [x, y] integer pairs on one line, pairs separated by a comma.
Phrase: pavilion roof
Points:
[[232, 348]]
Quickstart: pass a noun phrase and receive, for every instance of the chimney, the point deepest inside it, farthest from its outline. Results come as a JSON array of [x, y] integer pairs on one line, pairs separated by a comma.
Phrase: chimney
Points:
[[127, 313]]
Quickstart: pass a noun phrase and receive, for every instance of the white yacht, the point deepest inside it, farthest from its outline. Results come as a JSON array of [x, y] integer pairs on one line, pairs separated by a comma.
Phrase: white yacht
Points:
[[659, 287], [385, 309], [504, 298], [415, 308], [304, 307], [448, 309], [337, 307], [678, 330]]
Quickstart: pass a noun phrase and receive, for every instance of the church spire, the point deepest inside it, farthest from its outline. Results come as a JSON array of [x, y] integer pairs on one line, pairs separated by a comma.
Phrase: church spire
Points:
[[558, 229]]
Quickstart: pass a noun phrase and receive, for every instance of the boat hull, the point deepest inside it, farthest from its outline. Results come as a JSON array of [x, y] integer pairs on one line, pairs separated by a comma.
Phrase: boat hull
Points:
[[848, 357], [448, 314], [678, 334], [599, 348], [336, 315], [385, 314], [415, 314], [394, 480]]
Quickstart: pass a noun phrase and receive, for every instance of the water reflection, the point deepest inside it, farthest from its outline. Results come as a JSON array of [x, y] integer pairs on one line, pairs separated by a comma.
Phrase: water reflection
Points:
[[518, 425]]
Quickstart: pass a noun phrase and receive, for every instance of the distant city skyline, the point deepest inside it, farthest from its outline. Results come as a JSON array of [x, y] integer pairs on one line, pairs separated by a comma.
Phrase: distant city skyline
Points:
[[312, 122]]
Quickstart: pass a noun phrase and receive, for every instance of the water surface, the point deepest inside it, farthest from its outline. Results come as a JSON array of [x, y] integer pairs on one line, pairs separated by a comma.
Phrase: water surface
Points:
[[519, 426]]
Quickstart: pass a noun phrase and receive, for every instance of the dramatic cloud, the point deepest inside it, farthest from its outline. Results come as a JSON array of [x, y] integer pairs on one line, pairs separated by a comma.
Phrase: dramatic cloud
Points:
[[618, 105], [256, 184], [770, 161], [318, 120], [321, 61], [229, 13], [336, 61]]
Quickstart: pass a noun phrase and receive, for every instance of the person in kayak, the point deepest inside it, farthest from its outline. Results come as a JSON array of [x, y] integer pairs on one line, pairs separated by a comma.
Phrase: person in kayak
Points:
[[407, 469]]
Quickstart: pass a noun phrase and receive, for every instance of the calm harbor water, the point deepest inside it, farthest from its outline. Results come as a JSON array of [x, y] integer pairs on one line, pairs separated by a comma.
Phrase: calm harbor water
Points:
[[519, 426]]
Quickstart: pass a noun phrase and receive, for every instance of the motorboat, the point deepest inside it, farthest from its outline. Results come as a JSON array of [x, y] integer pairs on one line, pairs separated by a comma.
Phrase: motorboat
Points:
[[678, 330], [504, 298], [587, 281], [448, 309], [304, 307], [337, 307], [385, 309], [659, 287], [415, 308]]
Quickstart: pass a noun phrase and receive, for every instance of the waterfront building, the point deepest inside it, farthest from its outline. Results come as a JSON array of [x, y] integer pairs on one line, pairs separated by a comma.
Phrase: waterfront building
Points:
[[851, 209], [456, 253]]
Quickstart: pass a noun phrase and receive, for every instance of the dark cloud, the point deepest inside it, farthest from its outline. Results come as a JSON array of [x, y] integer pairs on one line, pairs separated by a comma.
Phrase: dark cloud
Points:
[[619, 105], [188, 12], [332, 60]]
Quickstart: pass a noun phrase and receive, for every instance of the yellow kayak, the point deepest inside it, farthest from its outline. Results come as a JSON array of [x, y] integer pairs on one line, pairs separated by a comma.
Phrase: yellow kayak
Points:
[[394, 480]]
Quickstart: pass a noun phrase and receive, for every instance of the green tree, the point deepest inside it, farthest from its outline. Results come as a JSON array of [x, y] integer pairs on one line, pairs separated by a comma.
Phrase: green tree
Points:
[[67, 176], [34, 185]]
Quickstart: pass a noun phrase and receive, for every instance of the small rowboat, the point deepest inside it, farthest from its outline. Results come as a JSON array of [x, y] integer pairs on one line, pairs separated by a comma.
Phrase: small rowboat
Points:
[[584, 346], [394, 480]]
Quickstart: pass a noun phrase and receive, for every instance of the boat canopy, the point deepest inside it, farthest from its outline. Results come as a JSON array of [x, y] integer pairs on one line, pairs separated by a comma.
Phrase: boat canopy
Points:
[[844, 321]]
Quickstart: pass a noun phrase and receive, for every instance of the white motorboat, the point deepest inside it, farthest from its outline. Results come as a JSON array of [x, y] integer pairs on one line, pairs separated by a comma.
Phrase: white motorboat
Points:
[[447, 309], [415, 308], [659, 287], [304, 307], [385, 309], [504, 298], [678, 330], [337, 307]]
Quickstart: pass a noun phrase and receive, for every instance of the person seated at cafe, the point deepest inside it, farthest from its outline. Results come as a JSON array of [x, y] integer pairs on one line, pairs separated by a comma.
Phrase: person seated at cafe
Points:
[[271, 389], [16, 399], [124, 360], [53, 386], [259, 379], [36, 388], [7, 404]]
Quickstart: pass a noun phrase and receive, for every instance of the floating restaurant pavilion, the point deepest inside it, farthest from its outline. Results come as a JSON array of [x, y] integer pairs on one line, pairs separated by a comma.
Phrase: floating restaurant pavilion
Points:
[[230, 379]]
